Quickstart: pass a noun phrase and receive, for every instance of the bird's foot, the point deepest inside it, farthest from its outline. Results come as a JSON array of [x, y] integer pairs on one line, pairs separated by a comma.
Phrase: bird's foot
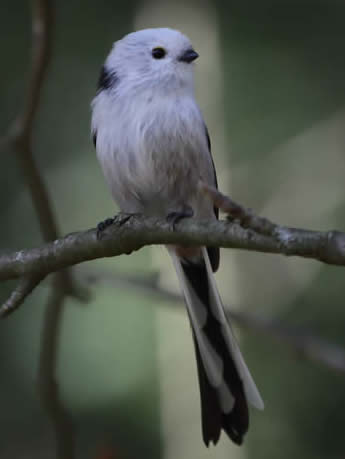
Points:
[[122, 217], [174, 217], [103, 225]]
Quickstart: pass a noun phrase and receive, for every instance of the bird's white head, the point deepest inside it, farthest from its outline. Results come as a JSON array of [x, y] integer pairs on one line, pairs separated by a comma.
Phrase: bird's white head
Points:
[[157, 59]]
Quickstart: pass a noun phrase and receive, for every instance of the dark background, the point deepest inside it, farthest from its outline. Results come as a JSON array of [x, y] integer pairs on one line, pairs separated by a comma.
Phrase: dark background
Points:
[[271, 84]]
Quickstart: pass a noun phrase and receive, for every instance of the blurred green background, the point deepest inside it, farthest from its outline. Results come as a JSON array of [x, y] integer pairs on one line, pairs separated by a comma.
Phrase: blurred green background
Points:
[[271, 84]]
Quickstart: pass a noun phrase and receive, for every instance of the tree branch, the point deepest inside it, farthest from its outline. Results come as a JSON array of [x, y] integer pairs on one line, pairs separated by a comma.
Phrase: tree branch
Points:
[[24, 287], [328, 247], [300, 341], [48, 387], [127, 235], [20, 136]]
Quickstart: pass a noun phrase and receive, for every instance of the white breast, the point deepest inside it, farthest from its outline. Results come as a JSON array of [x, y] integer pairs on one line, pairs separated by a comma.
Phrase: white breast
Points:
[[152, 150]]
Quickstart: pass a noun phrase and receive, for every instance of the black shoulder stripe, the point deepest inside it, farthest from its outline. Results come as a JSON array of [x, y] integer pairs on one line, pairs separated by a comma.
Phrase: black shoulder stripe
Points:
[[213, 252], [209, 149], [94, 138], [208, 139], [107, 79]]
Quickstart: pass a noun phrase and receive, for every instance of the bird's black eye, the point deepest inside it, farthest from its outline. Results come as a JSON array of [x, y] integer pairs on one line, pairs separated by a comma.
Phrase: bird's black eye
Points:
[[158, 53]]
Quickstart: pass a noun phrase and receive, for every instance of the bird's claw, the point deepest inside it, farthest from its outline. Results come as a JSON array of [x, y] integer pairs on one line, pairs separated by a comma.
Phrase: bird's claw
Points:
[[122, 217], [103, 225], [174, 217]]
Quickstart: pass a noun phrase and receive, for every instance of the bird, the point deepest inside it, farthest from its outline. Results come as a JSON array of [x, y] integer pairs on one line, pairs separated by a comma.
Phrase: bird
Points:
[[154, 149]]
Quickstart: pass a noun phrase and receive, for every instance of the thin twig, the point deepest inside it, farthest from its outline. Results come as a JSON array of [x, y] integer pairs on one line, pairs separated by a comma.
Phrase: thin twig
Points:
[[20, 135], [47, 385], [246, 216], [328, 247], [300, 341], [24, 287], [42, 23]]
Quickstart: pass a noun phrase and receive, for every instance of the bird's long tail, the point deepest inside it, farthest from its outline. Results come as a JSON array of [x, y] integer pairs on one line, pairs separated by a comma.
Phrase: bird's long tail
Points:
[[226, 385]]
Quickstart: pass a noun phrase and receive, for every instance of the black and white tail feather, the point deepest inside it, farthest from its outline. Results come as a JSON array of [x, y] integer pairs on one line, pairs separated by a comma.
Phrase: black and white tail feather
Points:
[[226, 386]]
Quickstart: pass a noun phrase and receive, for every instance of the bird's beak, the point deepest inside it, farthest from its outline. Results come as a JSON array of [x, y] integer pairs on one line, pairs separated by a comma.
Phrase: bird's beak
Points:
[[188, 56]]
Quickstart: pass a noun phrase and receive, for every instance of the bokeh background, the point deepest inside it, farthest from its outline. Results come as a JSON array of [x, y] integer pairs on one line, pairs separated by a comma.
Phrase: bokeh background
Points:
[[271, 84]]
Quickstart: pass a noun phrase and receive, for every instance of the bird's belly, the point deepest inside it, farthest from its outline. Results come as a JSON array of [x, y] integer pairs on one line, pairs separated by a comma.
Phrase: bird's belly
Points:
[[164, 181]]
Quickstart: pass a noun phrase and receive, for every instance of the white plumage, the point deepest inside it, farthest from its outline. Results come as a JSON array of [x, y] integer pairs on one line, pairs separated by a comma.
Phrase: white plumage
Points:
[[153, 146]]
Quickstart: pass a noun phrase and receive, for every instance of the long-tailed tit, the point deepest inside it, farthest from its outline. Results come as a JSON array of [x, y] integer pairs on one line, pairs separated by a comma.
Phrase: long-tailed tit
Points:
[[154, 148]]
